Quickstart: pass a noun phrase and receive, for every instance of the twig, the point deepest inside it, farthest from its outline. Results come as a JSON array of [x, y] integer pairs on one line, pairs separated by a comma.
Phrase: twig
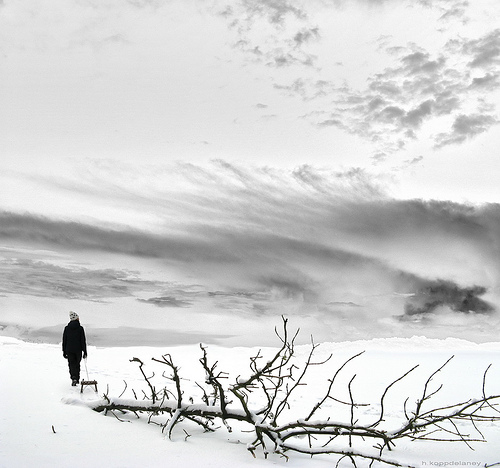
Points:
[[274, 382]]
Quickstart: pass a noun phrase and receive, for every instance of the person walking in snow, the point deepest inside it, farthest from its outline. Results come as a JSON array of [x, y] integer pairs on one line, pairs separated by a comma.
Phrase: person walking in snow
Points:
[[74, 346]]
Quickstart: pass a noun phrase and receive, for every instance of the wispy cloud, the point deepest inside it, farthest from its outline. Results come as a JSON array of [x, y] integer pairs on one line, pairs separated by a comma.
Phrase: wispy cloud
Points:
[[420, 88], [45, 279], [258, 236], [464, 127], [73, 235], [484, 51], [166, 301], [273, 33], [274, 11], [450, 9]]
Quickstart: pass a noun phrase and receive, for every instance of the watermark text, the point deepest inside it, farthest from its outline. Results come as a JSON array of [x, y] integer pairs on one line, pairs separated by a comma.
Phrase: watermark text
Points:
[[451, 463]]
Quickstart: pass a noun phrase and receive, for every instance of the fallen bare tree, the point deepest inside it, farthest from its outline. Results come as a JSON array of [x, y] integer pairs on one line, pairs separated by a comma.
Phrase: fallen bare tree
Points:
[[273, 382]]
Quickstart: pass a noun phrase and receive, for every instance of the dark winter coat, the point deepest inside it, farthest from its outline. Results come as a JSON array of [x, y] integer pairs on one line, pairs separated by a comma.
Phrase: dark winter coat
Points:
[[74, 338]]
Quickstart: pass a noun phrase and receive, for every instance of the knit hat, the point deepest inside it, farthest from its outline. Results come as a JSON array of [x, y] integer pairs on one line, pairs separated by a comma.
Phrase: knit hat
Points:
[[73, 316]]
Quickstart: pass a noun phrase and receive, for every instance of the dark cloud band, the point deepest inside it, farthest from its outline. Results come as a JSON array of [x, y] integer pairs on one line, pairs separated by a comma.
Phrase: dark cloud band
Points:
[[319, 237]]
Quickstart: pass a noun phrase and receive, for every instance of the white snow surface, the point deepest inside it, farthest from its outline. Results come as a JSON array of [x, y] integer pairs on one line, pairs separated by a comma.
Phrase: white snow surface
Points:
[[44, 422]]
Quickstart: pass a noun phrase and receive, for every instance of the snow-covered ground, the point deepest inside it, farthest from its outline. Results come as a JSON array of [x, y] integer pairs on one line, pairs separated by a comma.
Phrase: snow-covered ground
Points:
[[44, 422]]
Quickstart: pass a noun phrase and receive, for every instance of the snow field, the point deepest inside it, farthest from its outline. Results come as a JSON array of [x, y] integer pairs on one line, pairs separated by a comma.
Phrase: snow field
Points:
[[36, 399]]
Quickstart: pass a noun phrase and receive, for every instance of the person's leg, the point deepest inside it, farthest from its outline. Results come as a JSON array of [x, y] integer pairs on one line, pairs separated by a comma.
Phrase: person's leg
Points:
[[71, 365], [77, 366], [74, 366]]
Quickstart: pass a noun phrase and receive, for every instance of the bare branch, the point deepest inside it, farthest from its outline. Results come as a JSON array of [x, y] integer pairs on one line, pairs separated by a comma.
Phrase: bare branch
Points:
[[381, 417], [329, 390], [425, 397], [274, 382], [147, 379]]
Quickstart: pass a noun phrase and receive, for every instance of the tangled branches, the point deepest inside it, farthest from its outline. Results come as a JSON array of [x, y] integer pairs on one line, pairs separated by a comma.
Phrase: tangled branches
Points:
[[263, 399]]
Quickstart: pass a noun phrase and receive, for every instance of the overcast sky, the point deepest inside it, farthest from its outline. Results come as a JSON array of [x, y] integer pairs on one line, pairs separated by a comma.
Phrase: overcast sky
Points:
[[408, 88], [326, 150]]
